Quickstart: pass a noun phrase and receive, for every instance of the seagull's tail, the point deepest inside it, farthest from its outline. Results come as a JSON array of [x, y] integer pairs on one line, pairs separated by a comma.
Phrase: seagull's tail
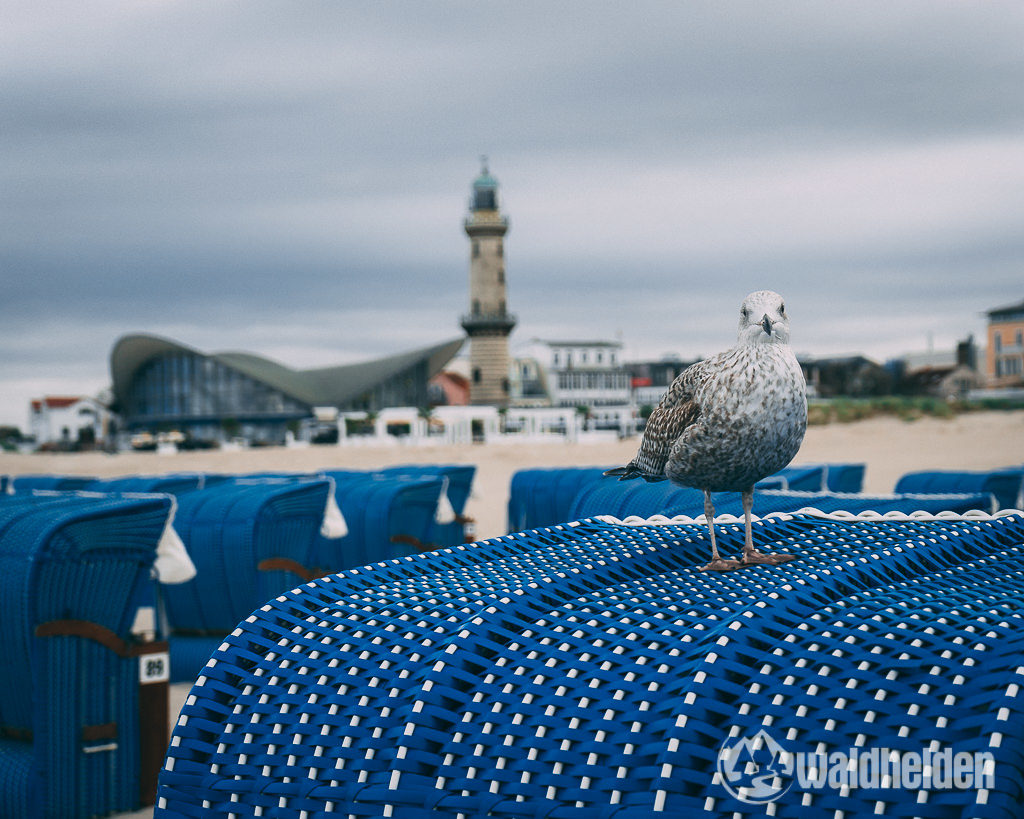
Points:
[[631, 471]]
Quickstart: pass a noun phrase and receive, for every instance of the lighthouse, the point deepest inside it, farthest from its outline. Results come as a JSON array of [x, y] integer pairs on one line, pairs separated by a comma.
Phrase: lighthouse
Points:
[[488, 322]]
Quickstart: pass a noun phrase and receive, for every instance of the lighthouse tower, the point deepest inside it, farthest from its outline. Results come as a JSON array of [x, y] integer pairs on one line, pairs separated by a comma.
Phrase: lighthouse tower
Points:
[[488, 322]]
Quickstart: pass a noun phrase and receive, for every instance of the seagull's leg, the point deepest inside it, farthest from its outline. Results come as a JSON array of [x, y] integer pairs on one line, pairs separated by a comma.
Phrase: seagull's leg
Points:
[[750, 554], [717, 564]]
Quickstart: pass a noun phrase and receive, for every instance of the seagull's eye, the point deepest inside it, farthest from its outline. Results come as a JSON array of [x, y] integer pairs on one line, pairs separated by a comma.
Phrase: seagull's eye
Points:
[[782, 310], [745, 313]]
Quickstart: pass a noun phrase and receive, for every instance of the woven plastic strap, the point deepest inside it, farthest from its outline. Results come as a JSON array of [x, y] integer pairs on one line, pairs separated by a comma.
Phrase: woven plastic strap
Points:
[[590, 671]]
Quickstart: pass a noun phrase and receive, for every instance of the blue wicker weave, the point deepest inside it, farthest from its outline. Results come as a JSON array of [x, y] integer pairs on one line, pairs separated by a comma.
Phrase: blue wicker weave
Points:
[[64, 483], [389, 512], [844, 477], [817, 478], [388, 516], [809, 478], [174, 484], [459, 485], [588, 670], [1004, 484], [544, 497], [250, 540], [638, 498], [69, 722]]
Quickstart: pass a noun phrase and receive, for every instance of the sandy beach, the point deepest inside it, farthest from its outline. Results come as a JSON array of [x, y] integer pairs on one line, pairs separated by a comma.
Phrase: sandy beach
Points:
[[890, 448]]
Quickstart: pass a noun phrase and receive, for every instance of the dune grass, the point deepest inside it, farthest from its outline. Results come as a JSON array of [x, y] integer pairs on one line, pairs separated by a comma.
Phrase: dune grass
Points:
[[906, 408]]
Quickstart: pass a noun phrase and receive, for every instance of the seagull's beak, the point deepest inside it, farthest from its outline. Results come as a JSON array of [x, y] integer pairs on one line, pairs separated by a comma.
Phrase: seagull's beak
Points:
[[766, 323]]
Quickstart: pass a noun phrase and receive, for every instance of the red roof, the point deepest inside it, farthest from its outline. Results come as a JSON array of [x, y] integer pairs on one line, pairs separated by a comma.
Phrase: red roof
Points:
[[57, 401]]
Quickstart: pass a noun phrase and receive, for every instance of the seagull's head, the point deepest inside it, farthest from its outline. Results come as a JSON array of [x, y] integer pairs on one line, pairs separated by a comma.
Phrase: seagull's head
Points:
[[763, 319]]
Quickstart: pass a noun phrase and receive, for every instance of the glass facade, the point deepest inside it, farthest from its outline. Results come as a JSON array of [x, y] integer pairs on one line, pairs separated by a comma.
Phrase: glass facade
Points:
[[210, 400], [188, 388], [593, 380]]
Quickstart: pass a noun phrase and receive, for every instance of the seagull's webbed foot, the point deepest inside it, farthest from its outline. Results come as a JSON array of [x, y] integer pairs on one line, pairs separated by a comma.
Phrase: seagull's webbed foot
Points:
[[720, 564], [753, 556]]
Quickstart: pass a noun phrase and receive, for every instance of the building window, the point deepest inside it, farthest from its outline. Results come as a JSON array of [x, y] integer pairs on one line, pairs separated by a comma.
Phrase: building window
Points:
[[476, 307], [501, 275], [997, 340], [600, 357], [476, 249], [1019, 339], [501, 249], [476, 375], [554, 358]]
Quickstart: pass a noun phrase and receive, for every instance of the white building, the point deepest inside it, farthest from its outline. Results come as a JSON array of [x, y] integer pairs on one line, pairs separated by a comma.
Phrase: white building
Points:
[[571, 374], [529, 382], [62, 420], [588, 373]]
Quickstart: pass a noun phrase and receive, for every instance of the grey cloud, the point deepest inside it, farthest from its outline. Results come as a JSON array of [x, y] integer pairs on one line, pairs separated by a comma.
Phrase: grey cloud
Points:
[[220, 170]]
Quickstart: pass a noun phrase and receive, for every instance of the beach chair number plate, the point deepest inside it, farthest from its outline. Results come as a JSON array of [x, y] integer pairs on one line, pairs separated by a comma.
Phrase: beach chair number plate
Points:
[[154, 668]]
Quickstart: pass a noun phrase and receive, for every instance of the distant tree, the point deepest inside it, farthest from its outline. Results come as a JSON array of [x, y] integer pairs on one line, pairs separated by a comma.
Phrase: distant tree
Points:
[[10, 437]]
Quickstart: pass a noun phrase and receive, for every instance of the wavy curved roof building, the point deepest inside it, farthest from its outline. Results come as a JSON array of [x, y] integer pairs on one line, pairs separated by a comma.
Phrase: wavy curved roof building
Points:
[[162, 384]]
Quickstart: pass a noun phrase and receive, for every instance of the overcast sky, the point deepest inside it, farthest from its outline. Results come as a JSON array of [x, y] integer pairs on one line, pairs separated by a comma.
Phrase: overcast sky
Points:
[[290, 178]]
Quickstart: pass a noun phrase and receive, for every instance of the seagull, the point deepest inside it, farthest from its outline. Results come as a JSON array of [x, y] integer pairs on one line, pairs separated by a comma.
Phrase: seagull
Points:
[[730, 420]]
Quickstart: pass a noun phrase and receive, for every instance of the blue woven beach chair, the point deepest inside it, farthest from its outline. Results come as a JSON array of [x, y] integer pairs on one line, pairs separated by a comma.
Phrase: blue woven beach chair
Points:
[[588, 670], [1004, 484], [623, 499], [250, 540], [767, 502], [544, 497], [844, 477], [388, 516], [28, 483], [72, 571], [807, 478], [458, 487], [817, 478], [397, 500], [174, 484]]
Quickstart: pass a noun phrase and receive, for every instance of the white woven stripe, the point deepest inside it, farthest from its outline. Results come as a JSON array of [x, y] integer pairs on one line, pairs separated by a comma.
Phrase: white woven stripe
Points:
[[661, 520]]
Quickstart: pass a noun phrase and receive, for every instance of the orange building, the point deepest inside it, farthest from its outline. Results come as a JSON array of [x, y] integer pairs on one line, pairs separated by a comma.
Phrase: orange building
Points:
[[1004, 358]]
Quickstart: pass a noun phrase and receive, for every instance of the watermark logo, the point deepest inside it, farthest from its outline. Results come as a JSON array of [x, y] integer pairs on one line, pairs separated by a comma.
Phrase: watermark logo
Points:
[[757, 769]]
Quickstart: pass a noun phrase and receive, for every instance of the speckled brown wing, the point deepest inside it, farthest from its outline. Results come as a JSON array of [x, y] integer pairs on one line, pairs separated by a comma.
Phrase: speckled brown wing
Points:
[[667, 422]]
